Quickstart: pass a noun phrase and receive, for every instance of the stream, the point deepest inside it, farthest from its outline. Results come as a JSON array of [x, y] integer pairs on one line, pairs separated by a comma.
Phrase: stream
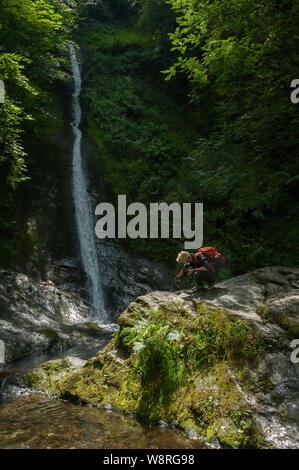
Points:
[[38, 421]]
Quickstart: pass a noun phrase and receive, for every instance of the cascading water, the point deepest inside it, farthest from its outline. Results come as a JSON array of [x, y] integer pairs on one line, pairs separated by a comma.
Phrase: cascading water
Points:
[[83, 206]]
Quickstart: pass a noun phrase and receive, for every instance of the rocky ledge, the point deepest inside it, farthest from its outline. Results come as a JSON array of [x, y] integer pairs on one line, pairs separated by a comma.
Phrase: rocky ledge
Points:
[[216, 363], [45, 315], [38, 317]]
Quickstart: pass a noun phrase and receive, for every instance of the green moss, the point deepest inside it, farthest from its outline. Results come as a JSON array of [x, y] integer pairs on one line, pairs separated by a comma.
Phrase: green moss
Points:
[[50, 334], [227, 433], [291, 325], [92, 326], [49, 376], [192, 388], [262, 310], [266, 385]]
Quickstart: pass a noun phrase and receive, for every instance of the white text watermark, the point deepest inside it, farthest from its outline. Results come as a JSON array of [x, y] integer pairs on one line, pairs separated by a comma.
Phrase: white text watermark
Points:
[[2, 92], [2, 352], [186, 218], [295, 354], [295, 93]]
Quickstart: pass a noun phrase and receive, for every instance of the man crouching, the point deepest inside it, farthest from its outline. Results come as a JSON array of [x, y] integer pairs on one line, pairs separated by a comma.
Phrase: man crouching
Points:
[[200, 266]]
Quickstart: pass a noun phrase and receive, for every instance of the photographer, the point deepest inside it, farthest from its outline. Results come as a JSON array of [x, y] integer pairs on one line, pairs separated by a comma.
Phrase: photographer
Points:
[[203, 266]]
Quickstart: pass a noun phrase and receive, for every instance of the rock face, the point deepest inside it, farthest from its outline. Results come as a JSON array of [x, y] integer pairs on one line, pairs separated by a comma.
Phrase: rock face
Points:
[[42, 316], [229, 377], [268, 299], [126, 277], [36, 317]]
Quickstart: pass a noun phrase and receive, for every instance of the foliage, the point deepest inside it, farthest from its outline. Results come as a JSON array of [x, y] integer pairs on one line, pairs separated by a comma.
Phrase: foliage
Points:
[[158, 349], [166, 353], [33, 54], [28, 70], [156, 16], [137, 125], [233, 147], [214, 337], [244, 53], [222, 131]]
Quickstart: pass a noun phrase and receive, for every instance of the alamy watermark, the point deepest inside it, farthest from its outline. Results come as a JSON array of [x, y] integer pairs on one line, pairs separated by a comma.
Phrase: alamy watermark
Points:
[[2, 92], [295, 354], [2, 352], [295, 94], [187, 221]]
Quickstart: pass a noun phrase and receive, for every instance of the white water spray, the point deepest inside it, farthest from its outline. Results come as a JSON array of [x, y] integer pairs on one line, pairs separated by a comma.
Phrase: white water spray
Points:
[[83, 206]]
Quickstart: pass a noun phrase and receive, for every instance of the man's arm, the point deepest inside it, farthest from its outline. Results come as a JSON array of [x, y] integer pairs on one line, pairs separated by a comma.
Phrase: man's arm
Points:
[[179, 275], [203, 268], [191, 271]]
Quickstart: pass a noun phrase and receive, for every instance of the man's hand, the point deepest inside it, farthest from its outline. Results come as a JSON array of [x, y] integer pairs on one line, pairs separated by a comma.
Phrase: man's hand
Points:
[[195, 270], [178, 277], [202, 269], [190, 272]]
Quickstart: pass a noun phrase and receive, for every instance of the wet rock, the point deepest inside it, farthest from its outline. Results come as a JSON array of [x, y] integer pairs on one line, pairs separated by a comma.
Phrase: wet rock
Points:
[[264, 391], [126, 277], [48, 314], [37, 316]]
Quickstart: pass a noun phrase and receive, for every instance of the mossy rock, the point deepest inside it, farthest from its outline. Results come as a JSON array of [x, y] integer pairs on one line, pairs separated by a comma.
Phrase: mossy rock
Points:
[[291, 325], [283, 319], [49, 376], [227, 433], [205, 397], [92, 326], [263, 311], [50, 334]]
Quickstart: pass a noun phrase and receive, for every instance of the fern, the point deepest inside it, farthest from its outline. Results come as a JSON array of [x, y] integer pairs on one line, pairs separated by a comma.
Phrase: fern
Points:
[[158, 350], [165, 354]]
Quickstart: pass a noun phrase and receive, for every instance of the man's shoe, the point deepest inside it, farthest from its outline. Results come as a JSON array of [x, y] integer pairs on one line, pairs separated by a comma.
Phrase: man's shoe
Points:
[[211, 286], [196, 288]]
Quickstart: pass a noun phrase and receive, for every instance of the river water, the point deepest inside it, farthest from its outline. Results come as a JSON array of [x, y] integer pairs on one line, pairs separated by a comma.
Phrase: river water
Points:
[[39, 422]]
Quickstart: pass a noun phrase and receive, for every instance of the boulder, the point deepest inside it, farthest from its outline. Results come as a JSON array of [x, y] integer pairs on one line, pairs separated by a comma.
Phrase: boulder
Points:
[[38, 317], [239, 387]]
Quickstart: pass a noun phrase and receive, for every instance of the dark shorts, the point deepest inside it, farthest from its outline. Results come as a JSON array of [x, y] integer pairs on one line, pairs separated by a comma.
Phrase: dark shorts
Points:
[[202, 277]]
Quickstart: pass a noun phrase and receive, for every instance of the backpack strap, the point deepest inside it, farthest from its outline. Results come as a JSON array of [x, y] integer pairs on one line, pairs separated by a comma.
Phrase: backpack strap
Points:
[[207, 260]]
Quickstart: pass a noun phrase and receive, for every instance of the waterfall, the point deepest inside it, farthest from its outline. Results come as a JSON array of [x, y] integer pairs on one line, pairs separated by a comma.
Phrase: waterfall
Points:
[[83, 205]]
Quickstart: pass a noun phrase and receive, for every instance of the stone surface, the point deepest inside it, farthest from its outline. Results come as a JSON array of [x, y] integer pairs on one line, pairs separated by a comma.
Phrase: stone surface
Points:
[[268, 387], [36, 317], [126, 277], [261, 297]]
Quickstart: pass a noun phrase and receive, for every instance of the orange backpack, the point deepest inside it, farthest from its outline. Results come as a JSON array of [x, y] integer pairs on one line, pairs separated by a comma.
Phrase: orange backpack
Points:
[[214, 257]]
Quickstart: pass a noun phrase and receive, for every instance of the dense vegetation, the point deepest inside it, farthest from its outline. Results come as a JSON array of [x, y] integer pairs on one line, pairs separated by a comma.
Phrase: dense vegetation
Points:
[[33, 51], [187, 102], [220, 130], [167, 354]]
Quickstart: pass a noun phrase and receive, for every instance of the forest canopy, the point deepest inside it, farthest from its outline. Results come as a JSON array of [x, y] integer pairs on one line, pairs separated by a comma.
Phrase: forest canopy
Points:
[[187, 101], [33, 43], [224, 132]]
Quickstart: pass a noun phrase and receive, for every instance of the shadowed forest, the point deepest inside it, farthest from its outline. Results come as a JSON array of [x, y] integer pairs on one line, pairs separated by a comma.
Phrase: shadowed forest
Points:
[[186, 102]]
